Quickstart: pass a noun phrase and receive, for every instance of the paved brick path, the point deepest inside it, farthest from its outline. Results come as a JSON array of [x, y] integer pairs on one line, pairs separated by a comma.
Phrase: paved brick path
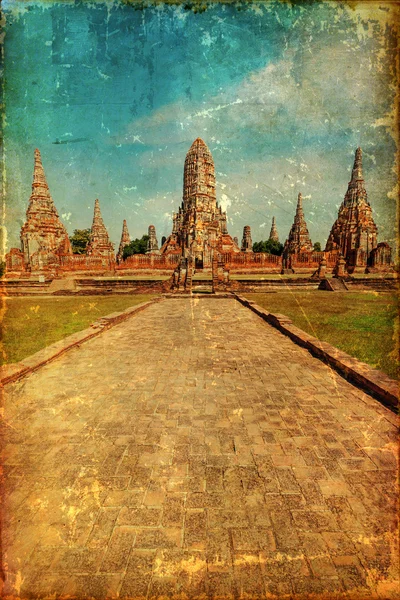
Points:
[[194, 449]]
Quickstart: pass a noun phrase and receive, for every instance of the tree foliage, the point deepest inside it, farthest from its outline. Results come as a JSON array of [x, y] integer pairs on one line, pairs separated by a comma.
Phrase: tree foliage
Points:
[[79, 240], [269, 246], [317, 247], [136, 247], [2, 268]]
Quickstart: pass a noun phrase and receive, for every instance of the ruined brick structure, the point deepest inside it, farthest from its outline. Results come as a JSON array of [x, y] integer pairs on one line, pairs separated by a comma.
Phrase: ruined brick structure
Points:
[[125, 241], [99, 244], [274, 232], [199, 235], [354, 232], [152, 244], [298, 239], [199, 227], [247, 242], [43, 236]]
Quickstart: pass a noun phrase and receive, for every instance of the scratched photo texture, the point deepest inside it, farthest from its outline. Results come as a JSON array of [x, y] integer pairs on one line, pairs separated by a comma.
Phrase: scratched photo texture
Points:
[[113, 93]]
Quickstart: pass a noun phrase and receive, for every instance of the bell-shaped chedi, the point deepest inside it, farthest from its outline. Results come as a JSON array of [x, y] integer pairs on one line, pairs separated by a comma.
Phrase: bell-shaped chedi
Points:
[[354, 232], [199, 226], [43, 237], [247, 242], [274, 232], [125, 241], [99, 244], [298, 239], [152, 244]]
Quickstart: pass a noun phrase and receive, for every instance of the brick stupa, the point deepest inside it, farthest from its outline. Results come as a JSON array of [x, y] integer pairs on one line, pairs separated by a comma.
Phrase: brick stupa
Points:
[[273, 236], [152, 244], [43, 236], [299, 238], [199, 227], [247, 242], [99, 244], [125, 241], [354, 232]]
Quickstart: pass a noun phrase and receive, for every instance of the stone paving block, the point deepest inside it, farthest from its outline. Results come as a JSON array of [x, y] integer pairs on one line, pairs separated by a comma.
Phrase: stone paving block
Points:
[[150, 539], [140, 517], [118, 550], [223, 462]]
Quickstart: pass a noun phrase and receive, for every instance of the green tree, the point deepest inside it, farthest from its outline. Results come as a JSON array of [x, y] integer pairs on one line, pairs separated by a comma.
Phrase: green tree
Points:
[[136, 247], [269, 246], [79, 240], [317, 247], [2, 268]]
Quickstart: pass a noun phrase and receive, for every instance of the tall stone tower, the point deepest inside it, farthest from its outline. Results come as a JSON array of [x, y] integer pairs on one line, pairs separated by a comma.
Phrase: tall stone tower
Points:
[[43, 236], [298, 239], [152, 244], [125, 240], [354, 232], [247, 242], [199, 227], [274, 232], [99, 244]]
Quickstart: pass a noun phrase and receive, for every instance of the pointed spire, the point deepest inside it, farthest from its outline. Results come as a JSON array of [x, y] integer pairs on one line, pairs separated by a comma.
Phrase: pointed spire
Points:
[[274, 232], [99, 244], [354, 232], [299, 209], [97, 218], [39, 177], [357, 173], [125, 241], [299, 238], [40, 200], [43, 233]]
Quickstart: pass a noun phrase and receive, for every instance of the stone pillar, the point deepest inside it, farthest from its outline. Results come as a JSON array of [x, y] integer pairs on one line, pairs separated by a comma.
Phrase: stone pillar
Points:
[[322, 268], [340, 268]]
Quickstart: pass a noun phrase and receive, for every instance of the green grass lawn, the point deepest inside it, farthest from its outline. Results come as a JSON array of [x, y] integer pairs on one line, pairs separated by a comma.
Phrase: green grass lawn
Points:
[[363, 324], [32, 323]]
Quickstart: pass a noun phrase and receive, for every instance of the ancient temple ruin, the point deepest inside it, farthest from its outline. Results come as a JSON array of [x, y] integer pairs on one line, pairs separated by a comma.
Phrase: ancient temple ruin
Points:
[[354, 232], [43, 236], [125, 241], [199, 226], [247, 242], [152, 244], [273, 236], [298, 240], [199, 234], [99, 242]]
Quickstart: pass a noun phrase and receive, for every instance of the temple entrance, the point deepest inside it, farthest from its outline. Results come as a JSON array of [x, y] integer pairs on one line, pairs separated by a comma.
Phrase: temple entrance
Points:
[[198, 263]]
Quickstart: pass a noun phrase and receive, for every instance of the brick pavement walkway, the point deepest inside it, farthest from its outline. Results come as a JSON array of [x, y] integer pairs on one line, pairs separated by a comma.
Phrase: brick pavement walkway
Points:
[[195, 450]]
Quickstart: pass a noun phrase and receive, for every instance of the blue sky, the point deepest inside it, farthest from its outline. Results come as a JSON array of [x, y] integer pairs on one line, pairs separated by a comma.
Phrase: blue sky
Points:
[[113, 97]]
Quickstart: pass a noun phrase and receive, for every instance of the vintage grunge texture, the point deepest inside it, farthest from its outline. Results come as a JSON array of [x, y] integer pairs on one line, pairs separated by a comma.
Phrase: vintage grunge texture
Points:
[[113, 94]]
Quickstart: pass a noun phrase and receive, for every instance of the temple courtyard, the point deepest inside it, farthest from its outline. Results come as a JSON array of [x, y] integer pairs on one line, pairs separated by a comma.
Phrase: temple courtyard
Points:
[[193, 451]]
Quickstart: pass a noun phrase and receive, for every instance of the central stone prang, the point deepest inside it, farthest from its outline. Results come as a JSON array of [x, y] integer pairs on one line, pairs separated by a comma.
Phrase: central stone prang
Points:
[[199, 226]]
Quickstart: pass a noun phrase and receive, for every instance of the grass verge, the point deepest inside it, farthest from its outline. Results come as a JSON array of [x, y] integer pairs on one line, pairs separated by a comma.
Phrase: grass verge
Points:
[[363, 324], [32, 323]]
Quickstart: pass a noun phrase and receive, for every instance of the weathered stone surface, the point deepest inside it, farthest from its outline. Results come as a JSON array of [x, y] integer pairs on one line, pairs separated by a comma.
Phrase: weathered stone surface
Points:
[[199, 227], [247, 243], [226, 459], [125, 241], [152, 244], [43, 236], [298, 240], [99, 244], [274, 231], [354, 232]]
